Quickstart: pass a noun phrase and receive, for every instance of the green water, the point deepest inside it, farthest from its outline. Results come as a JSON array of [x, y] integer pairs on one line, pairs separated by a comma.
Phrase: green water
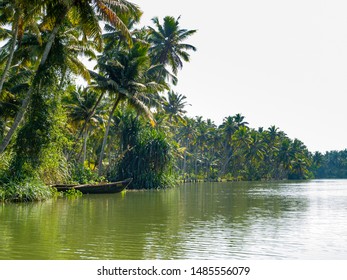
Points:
[[260, 220]]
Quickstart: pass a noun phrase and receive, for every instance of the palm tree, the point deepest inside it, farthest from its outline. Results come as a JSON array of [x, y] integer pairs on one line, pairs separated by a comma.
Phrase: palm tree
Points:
[[15, 86], [174, 106], [241, 141], [255, 155], [228, 128], [317, 162], [167, 47], [84, 14], [285, 155], [114, 39], [271, 137], [124, 76], [239, 120], [79, 105], [20, 14], [186, 138]]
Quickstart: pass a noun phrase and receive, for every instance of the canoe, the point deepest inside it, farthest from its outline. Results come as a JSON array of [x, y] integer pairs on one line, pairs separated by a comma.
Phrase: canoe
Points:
[[113, 187]]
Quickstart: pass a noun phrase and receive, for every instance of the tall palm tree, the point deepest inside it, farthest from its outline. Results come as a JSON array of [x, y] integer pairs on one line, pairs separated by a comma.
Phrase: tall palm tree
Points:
[[241, 141], [187, 137], [84, 14], [20, 15], [124, 77], [228, 128], [79, 104], [285, 154], [174, 106], [239, 120], [15, 87], [255, 155], [115, 39], [167, 47]]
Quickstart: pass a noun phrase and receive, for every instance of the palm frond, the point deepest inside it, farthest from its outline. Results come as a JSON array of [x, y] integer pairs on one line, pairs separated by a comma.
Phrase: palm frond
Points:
[[111, 16], [141, 107]]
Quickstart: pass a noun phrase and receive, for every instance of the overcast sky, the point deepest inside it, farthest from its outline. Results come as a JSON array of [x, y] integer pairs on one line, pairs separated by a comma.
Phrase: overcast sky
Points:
[[276, 62]]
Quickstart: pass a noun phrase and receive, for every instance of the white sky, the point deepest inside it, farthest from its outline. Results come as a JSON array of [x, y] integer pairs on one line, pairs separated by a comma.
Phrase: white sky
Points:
[[276, 62]]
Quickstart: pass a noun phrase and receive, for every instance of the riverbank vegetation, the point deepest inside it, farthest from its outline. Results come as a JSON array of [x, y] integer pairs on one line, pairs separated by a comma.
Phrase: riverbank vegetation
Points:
[[124, 120]]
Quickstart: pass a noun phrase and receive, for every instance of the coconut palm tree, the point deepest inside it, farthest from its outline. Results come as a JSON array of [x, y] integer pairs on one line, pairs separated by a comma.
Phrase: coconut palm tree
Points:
[[228, 128], [186, 137], [79, 104], [124, 77], [174, 107], [239, 120], [21, 15], [115, 39], [167, 44], [255, 155]]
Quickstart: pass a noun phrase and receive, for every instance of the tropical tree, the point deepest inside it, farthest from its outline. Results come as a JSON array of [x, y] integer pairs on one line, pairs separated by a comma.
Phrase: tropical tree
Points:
[[186, 137], [229, 126], [174, 107], [239, 120], [124, 76], [79, 105], [255, 155], [20, 15], [167, 44]]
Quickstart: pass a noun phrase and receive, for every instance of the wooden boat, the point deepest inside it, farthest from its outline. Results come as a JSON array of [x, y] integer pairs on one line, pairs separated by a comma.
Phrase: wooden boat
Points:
[[113, 187]]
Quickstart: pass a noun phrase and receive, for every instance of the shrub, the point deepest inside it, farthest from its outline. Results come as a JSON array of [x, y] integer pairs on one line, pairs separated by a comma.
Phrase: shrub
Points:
[[26, 191], [147, 158]]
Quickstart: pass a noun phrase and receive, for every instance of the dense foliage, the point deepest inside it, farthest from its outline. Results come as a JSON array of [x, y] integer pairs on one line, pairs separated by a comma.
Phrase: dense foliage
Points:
[[235, 151], [53, 130], [145, 155], [125, 120], [331, 165]]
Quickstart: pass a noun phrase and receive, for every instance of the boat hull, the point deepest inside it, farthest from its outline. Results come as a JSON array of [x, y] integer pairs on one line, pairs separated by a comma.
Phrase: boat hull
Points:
[[113, 187]]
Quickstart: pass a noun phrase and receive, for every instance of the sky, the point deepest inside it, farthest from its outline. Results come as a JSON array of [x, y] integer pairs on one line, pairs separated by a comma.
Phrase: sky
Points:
[[281, 63]]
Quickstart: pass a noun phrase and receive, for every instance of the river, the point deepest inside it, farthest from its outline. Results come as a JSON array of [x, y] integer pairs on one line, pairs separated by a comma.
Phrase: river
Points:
[[233, 220]]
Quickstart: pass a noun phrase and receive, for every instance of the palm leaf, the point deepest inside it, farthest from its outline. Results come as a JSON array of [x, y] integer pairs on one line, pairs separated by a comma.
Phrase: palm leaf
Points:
[[111, 16]]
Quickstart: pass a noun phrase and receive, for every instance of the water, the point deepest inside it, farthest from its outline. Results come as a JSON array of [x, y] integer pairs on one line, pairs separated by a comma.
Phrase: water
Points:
[[259, 220]]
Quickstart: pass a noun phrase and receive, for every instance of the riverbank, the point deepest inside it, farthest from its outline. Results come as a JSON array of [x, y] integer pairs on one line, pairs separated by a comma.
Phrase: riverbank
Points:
[[35, 190]]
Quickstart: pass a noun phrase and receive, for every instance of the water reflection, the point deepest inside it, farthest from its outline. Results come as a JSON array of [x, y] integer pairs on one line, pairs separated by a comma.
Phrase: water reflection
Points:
[[301, 220]]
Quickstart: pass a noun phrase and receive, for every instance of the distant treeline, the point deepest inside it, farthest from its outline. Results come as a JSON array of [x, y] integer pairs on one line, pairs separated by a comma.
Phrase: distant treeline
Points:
[[332, 165], [234, 151]]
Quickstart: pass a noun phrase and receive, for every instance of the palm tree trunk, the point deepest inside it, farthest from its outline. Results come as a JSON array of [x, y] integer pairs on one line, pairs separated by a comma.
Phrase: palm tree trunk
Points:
[[17, 121], [185, 159], [90, 115], [196, 163], [10, 57], [85, 139], [228, 157], [106, 135], [26, 101]]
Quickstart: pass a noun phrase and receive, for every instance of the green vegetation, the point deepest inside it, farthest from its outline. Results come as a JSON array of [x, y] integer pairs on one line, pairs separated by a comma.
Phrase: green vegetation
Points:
[[146, 155], [234, 151], [72, 194], [331, 165], [53, 130], [127, 121], [25, 191]]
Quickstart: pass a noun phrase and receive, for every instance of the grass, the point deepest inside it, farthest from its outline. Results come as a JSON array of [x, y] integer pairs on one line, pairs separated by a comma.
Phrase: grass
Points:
[[26, 191]]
